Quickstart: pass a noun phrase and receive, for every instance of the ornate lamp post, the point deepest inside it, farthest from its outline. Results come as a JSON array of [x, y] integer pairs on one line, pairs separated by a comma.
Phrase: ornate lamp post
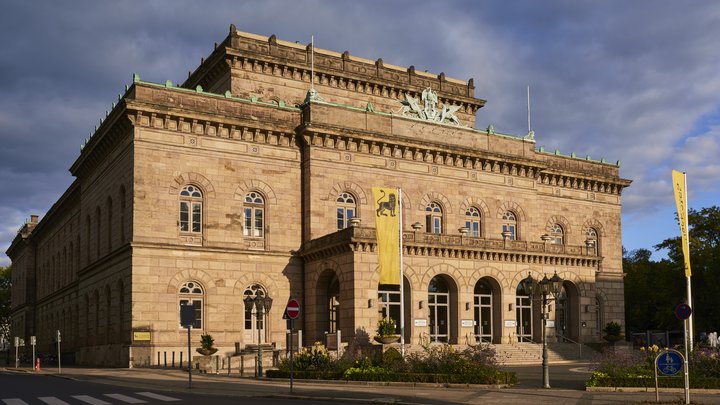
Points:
[[262, 305], [545, 287]]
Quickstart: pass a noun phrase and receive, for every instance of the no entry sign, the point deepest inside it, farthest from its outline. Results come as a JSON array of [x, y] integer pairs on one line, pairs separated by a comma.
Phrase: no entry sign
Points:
[[292, 309]]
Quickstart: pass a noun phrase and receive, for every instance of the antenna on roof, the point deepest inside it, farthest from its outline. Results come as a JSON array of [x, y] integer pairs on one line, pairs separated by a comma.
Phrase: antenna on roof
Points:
[[528, 107]]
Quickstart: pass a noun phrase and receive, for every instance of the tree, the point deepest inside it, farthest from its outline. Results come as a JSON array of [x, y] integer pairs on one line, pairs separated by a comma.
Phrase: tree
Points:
[[5, 284], [705, 265]]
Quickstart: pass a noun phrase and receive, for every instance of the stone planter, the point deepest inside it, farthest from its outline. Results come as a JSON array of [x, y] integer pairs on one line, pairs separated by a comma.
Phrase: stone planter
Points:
[[386, 340], [206, 364], [206, 352]]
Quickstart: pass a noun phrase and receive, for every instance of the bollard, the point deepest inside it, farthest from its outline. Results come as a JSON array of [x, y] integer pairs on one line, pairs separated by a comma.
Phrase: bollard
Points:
[[37, 365], [181, 353], [165, 359], [158, 362], [173, 359], [229, 365]]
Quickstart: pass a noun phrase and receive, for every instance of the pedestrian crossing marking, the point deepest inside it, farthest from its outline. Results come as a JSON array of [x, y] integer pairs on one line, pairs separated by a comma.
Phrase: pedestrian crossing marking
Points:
[[90, 400], [14, 401], [53, 401], [125, 398], [158, 396]]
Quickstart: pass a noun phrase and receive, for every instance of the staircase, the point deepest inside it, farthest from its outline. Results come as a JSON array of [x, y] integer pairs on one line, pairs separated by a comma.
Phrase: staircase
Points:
[[531, 353]]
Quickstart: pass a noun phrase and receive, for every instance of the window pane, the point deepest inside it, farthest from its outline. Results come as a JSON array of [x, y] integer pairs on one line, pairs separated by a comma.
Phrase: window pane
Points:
[[476, 229], [198, 314], [184, 216], [196, 217], [340, 218], [350, 213], [258, 222], [248, 222]]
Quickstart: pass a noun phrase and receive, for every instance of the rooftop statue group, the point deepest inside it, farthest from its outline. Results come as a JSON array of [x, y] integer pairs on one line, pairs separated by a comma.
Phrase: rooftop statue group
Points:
[[411, 108]]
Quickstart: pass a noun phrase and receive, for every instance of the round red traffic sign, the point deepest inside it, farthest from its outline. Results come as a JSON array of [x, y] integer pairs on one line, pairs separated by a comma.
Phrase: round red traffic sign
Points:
[[293, 309], [683, 312]]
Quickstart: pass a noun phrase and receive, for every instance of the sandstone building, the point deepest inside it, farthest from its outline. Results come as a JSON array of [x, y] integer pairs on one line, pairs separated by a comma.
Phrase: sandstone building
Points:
[[242, 182]]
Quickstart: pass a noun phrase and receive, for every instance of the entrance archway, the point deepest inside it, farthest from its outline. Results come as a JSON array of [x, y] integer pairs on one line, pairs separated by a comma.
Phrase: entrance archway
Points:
[[442, 308], [486, 311], [567, 319], [389, 305], [523, 315]]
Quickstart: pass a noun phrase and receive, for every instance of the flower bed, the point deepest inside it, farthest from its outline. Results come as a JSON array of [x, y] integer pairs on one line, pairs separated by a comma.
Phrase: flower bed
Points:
[[635, 369], [440, 365]]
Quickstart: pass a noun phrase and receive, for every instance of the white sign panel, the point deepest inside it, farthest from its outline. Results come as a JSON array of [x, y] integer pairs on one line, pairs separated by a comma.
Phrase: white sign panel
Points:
[[420, 322], [468, 323], [550, 324], [510, 324]]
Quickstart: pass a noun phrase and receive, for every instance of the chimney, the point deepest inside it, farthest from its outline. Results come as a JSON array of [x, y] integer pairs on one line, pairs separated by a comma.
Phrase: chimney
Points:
[[34, 219]]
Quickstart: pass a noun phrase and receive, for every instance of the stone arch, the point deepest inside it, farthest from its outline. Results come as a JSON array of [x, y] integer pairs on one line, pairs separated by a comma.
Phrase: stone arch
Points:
[[560, 220], [510, 206], [594, 223], [349, 187], [192, 178], [477, 203], [410, 274], [264, 280], [446, 269], [435, 197], [255, 185], [491, 272], [319, 268], [192, 275]]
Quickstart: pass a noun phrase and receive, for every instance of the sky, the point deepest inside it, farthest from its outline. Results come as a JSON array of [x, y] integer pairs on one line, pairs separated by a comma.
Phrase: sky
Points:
[[637, 82]]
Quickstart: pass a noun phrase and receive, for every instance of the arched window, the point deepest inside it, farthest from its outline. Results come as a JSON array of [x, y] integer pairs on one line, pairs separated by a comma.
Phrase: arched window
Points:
[[472, 222], [191, 209], [109, 224], [345, 210], [557, 234], [122, 214], [592, 241], [434, 218], [191, 293], [98, 223], [439, 308], [254, 214], [509, 225], [256, 313]]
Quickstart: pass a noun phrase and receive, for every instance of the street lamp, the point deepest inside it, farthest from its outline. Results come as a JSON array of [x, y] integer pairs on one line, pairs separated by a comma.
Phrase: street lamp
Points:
[[262, 305], [545, 287]]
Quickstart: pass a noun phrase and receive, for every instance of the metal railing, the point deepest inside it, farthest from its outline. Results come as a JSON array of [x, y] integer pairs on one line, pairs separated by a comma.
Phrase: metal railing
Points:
[[565, 338]]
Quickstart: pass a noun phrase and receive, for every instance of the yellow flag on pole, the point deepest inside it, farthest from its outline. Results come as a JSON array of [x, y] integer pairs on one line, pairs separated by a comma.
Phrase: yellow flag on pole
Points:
[[678, 180], [387, 232]]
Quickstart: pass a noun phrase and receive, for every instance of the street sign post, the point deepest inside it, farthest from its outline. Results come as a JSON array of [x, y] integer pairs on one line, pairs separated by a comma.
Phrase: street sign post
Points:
[[670, 362], [292, 312], [33, 342], [187, 319], [57, 337]]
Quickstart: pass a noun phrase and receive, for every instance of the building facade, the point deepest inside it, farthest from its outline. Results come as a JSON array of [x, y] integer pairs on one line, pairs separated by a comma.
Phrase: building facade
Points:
[[249, 180]]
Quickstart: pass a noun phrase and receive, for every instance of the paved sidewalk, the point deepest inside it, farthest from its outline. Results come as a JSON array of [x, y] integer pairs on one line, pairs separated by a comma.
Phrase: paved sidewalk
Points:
[[175, 380]]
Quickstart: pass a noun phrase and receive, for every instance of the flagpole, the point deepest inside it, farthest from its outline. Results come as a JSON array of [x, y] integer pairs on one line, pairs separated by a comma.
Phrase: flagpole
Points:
[[402, 280], [687, 278]]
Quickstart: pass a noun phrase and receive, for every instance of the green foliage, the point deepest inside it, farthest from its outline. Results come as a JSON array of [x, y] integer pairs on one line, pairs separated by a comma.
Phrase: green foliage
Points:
[[206, 342], [437, 364], [654, 288], [386, 327], [613, 329], [5, 286]]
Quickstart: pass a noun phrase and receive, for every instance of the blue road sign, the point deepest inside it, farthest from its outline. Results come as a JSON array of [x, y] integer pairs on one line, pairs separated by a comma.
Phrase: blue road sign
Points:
[[669, 362], [683, 312]]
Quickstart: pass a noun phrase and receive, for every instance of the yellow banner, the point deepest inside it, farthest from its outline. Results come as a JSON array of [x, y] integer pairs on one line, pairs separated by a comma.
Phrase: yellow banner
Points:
[[387, 231], [678, 180]]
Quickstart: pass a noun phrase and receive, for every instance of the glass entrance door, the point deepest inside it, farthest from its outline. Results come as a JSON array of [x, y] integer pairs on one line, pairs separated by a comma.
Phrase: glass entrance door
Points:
[[523, 314], [438, 304], [482, 311]]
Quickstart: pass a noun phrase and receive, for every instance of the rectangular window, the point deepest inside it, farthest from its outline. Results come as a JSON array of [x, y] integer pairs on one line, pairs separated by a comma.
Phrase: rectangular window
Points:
[[196, 217], [340, 218], [184, 216], [258, 222], [248, 222], [437, 225], [511, 229]]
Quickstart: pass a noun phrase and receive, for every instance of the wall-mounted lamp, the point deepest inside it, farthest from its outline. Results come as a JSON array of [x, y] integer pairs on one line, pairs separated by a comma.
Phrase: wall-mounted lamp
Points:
[[584, 324], [371, 303], [467, 306], [510, 307], [421, 304]]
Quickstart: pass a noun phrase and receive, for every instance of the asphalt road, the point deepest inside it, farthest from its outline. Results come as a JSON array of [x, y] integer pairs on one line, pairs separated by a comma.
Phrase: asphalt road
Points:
[[563, 376], [24, 389]]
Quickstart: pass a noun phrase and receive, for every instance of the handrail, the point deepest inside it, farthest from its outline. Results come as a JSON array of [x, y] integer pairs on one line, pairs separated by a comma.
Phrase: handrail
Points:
[[580, 345]]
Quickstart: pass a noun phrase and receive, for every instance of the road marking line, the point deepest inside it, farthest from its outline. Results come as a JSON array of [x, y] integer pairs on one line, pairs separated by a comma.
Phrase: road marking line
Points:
[[125, 398], [14, 401], [158, 396], [53, 401], [90, 400]]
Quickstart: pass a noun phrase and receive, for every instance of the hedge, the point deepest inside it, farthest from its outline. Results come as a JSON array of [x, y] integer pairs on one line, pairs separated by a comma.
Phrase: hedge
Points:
[[492, 377]]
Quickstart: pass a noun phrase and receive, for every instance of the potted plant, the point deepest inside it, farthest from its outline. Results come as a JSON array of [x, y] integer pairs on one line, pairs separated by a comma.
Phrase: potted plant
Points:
[[206, 343], [386, 331], [613, 332]]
